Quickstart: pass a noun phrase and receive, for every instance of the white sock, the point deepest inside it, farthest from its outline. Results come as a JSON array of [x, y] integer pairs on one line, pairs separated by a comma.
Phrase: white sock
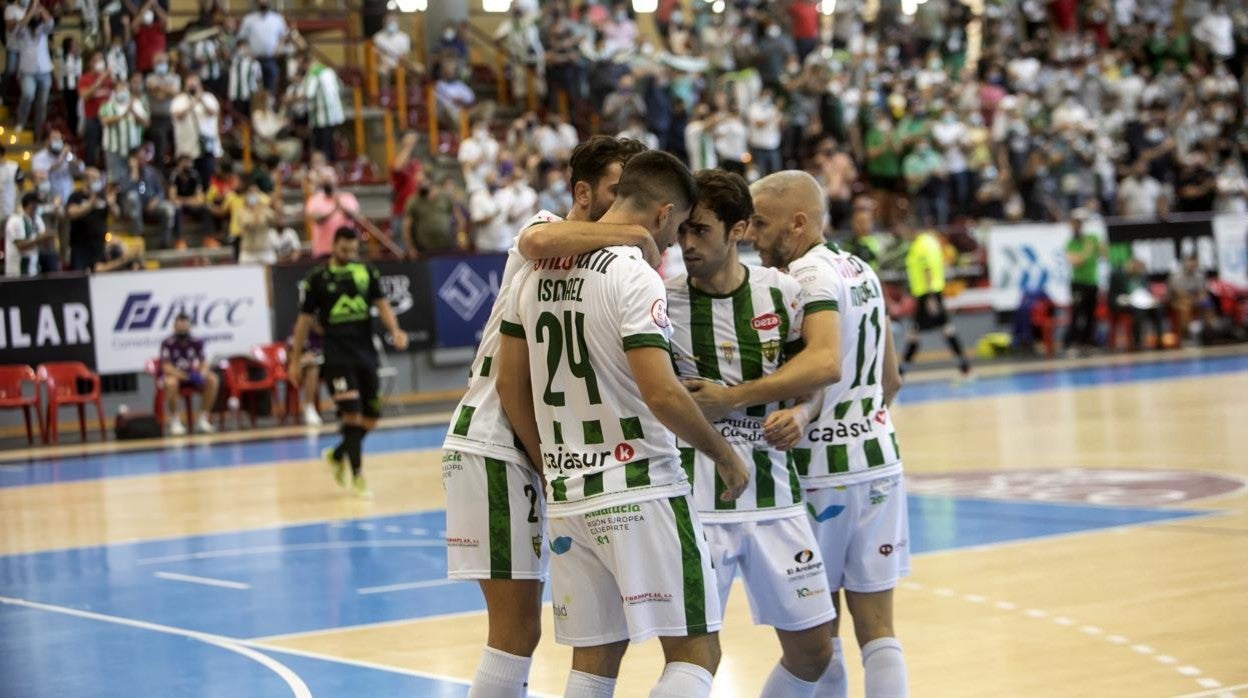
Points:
[[501, 675], [833, 683], [885, 668], [783, 684], [682, 680], [582, 685]]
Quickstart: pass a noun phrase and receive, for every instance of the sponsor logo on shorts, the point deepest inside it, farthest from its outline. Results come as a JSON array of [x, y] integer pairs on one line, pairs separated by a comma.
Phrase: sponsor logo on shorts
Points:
[[806, 567], [614, 519], [560, 545], [803, 557], [888, 549], [807, 592], [569, 460], [462, 543], [878, 498], [648, 597], [765, 322], [452, 461], [828, 513], [561, 609]]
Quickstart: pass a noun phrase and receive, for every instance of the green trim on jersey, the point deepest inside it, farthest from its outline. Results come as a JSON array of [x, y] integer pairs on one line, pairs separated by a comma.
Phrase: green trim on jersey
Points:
[[637, 341], [691, 567], [498, 504], [486, 364], [764, 481], [801, 460], [637, 473], [592, 430], [631, 428], [702, 335], [820, 306], [464, 422], [511, 330], [748, 345], [687, 456]]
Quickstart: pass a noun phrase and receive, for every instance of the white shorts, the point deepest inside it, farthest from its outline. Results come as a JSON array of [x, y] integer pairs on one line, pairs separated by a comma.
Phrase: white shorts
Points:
[[632, 572], [780, 564], [495, 519], [863, 532]]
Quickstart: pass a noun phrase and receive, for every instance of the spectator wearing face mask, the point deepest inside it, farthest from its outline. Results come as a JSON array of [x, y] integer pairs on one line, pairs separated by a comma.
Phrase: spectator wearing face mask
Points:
[[196, 132], [14, 12], [252, 215], [330, 209], [478, 155], [1140, 195], [94, 88], [519, 37], [58, 163], [35, 65], [392, 45], [149, 27], [162, 87], [1216, 32], [555, 197], [731, 137], [68, 69], [88, 211], [430, 221], [124, 120], [620, 33], [490, 207], [405, 177], [24, 233], [142, 197], [925, 174], [265, 31]]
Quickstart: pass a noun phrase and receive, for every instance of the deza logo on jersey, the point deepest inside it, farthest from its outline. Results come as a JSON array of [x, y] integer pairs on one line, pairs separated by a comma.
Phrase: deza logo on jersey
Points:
[[140, 312], [770, 321]]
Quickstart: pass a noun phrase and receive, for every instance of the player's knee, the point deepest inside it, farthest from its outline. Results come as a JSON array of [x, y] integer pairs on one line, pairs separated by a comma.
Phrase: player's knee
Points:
[[171, 385], [210, 380], [807, 653], [869, 629]]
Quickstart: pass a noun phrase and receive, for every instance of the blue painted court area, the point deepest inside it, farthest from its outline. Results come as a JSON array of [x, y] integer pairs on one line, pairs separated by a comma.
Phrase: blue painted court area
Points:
[[251, 584], [200, 457]]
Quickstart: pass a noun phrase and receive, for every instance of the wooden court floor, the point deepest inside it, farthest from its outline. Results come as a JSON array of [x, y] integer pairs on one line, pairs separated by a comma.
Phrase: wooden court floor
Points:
[[1074, 605]]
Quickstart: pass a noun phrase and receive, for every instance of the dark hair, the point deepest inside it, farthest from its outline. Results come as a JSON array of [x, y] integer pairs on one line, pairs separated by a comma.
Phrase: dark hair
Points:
[[591, 159], [181, 316], [654, 178], [30, 198], [726, 194], [345, 233]]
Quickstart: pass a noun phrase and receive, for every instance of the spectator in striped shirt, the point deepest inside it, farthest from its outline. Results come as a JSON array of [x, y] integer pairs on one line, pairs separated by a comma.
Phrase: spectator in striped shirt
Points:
[[69, 70], [245, 78], [123, 118], [325, 113]]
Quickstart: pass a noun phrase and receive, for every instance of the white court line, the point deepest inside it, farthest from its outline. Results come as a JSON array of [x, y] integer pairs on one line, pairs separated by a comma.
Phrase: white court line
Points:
[[366, 626], [404, 586], [296, 684], [202, 580], [264, 549], [1228, 690]]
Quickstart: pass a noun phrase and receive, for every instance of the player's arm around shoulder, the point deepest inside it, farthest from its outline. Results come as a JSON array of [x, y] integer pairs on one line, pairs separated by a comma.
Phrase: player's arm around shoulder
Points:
[[514, 385], [554, 237]]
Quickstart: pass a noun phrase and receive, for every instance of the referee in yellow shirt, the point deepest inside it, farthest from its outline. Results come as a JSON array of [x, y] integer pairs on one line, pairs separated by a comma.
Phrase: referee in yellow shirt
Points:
[[925, 269]]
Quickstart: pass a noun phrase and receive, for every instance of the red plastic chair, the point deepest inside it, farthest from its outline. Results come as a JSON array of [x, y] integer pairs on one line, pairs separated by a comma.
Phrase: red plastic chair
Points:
[[11, 380], [61, 379], [153, 369], [237, 384], [274, 358]]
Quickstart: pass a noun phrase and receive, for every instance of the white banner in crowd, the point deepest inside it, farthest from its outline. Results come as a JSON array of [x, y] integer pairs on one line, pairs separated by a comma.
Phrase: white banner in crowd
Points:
[[1231, 233], [133, 313], [1028, 258]]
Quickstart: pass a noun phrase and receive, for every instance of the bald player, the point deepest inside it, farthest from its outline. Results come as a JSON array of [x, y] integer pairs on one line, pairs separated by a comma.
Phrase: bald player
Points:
[[846, 458]]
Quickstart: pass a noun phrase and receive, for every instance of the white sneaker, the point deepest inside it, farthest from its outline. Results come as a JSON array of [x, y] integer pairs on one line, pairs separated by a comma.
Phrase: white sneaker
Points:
[[204, 426], [311, 417], [176, 427]]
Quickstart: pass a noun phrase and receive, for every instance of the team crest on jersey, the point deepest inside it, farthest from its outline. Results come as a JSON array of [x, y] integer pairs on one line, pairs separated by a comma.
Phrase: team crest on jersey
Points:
[[727, 349], [771, 349]]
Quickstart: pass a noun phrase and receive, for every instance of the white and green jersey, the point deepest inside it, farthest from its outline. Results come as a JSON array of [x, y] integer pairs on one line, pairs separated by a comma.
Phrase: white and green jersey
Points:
[[601, 445], [853, 439], [479, 425], [731, 339], [320, 89]]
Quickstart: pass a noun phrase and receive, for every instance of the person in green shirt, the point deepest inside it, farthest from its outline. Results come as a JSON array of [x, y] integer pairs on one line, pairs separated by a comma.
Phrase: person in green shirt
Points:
[[1083, 252], [925, 270]]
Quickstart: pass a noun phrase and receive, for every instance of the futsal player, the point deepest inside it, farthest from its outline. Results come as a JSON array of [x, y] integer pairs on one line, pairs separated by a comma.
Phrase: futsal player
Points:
[[341, 294], [925, 271], [586, 380], [495, 504], [731, 323], [847, 459]]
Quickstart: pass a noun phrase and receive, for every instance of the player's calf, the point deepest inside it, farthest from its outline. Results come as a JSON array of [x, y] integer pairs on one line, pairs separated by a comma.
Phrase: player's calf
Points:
[[883, 663], [691, 664]]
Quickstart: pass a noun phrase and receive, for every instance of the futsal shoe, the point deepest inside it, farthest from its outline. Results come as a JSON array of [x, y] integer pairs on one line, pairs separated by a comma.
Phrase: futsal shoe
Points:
[[337, 465], [176, 427], [359, 488]]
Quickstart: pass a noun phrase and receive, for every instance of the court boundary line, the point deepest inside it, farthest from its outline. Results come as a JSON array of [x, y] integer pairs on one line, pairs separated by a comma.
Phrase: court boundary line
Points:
[[203, 581], [226, 643], [293, 680]]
